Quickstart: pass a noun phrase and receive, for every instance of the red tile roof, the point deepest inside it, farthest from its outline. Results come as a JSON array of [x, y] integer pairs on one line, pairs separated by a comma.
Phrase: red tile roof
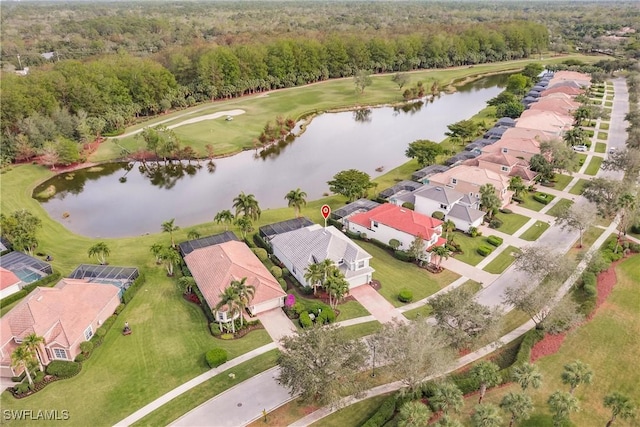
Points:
[[399, 218], [7, 278], [214, 267]]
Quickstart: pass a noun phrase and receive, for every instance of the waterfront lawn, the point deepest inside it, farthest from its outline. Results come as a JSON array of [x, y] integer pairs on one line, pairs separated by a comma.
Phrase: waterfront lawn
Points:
[[535, 231], [559, 207], [511, 222], [469, 246], [502, 261], [578, 188], [561, 181], [198, 395], [395, 275], [601, 147]]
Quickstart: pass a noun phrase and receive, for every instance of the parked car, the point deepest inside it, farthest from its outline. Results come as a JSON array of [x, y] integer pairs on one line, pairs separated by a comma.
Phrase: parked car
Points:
[[612, 150], [580, 147]]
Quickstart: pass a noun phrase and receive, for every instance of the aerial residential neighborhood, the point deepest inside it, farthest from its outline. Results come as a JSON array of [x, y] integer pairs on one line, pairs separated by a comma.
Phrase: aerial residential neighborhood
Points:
[[329, 213]]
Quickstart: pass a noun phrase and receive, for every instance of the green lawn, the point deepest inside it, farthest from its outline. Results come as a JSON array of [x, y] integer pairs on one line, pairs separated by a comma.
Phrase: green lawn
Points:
[[423, 312], [502, 261], [529, 202], [594, 166], [559, 207], [578, 188], [395, 275], [182, 404], [362, 329], [469, 245], [601, 147], [351, 310], [353, 415], [608, 104], [604, 125], [603, 135], [561, 181], [511, 222], [535, 231], [581, 158]]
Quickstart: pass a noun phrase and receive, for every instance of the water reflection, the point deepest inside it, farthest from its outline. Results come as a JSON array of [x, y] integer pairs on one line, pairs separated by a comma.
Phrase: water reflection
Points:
[[362, 115]]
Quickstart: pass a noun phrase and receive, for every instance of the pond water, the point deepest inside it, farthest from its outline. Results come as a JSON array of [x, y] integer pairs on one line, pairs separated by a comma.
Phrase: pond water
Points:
[[120, 199]]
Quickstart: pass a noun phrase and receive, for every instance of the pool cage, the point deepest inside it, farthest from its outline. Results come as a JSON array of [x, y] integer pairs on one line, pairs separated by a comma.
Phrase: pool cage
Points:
[[121, 277], [27, 268]]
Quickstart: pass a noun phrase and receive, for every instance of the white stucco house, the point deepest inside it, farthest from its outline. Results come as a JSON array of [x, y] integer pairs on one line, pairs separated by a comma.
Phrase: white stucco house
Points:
[[389, 221], [9, 283], [300, 248]]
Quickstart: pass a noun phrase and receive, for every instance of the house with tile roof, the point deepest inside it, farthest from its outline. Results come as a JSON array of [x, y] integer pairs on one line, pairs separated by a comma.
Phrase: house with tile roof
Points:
[[506, 164], [567, 90], [389, 221], [581, 78], [468, 180], [429, 199], [65, 316], [553, 124], [523, 148], [214, 267], [9, 283], [556, 105], [298, 249]]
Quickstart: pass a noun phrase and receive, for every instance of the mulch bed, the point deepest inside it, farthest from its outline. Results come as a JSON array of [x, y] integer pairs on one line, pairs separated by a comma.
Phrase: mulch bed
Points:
[[550, 344]]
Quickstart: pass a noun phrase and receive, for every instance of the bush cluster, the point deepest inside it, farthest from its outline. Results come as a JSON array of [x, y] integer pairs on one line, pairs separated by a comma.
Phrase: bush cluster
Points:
[[484, 250], [405, 295], [506, 211], [543, 198], [215, 329], [438, 215], [384, 413], [495, 223], [63, 368], [305, 320], [261, 253], [494, 240], [133, 289], [276, 271], [408, 205], [257, 238], [216, 357], [283, 284], [119, 309], [403, 256]]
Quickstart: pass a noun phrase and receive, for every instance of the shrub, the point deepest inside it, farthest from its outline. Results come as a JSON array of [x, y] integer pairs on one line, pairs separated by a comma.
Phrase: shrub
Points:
[[408, 205], [394, 243], [465, 382], [383, 414], [86, 347], [405, 295], [63, 368], [276, 271], [101, 332], [215, 329], [438, 215], [133, 289], [19, 378], [22, 388], [495, 223], [261, 254], [589, 279], [635, 228], [474, 232], [590, 290], [327, 316], [285, 272], [517, 199], [283, 284], [119, 309], [216, 357], [506, 211], [379, 244], [494, 241], [39, 377], [257, 238], [543, 198], [403, 256], [80, 358], [484, 250], [305, 320]]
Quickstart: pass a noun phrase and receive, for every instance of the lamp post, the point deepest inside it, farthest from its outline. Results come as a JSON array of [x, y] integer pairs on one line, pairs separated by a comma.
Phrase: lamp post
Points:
[[373, 361]]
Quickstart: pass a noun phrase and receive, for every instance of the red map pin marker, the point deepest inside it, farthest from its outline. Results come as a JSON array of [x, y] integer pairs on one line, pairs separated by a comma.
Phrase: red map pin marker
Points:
[[326, 210]]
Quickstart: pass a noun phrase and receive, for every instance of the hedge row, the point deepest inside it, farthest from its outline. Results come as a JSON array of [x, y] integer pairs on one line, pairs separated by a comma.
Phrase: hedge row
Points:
[[384, 413], [216, 357], [63, 368], [133, 289], [257, 238], [49, 281], [543, 198], [484, 250], [524, 352], [495, 240], [208, 313]]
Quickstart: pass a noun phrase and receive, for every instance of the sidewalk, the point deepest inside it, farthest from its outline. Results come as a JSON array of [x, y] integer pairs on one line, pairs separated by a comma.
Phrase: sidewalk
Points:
[[376, 304], [469, 271]]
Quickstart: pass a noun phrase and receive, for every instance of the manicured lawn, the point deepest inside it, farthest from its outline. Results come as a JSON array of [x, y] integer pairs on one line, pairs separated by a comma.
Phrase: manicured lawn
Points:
[[559, 207], [184, 403], [535, 231], [561, 181], [362, 329], [594, 166], [529, 202], [589, 236], [351, 310], [608, 104], [395, 275], [581, 158], [601, 147], [353, 415], [511, 222], [469, 245], [420, 312], [502, 261], [604, 125], [603, 135], [578, 188]]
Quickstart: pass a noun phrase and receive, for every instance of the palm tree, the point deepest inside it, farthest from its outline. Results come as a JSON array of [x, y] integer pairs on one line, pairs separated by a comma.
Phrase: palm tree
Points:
[[621, 406], [446, 421], [441, 252], [486, 416], [447, 397], [486, 373], [489, 200], [575, 136], [33, 342], [336, 286], [101, 251], [247, 205], [562, 404], [186, 283], [519, 405], [23, 357], [169, 227], [245, 293], [448, 226], [193, 234], [156, 249], [230, 299], [625, 204], [516, 184], [225, 217], [576, 373], [414, 414], [244, 224], [296, 199], [170, 259], [315, 275], [527, 375]]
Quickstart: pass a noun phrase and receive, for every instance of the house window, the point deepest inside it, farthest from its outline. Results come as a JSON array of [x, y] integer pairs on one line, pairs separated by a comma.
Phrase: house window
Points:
[[504, 168], [88, 333], [60, 353], [375, 224], [471, 194], [504, 150], [444, 206], [360, 264], [454, 181]]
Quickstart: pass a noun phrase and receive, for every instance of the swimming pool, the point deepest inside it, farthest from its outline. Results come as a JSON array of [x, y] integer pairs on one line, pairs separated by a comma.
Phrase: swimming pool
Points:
[[27, 275]]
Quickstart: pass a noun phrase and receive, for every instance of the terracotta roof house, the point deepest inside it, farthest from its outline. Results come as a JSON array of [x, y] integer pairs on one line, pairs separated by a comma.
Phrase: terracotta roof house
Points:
[[525, 148], [517, 132], [559, 95], [469, 179], [311, 245], [65, 316], [580, 78], [572, 91], [506, 164], [9, 283], [551, 123], [215, 267], [388, 221], [555, 105], [430, 199]]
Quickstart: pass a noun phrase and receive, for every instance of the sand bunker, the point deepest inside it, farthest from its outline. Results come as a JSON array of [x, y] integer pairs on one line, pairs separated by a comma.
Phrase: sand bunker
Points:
[[207, 117]]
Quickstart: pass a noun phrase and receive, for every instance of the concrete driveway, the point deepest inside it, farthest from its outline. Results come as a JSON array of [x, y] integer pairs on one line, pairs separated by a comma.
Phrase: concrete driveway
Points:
[[277, 324], [376, 304]]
